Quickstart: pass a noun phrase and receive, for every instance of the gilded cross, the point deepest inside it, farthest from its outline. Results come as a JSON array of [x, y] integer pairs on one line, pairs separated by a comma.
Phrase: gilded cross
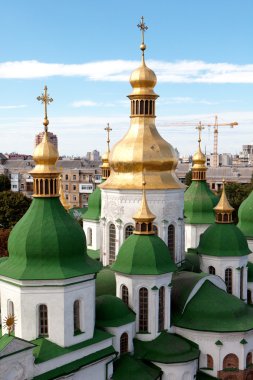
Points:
[[200, 127], [108, 130], [44, 98], [142, 26]]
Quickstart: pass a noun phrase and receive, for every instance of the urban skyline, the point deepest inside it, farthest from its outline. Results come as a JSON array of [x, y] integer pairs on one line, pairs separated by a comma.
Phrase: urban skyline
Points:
[[201, 54]]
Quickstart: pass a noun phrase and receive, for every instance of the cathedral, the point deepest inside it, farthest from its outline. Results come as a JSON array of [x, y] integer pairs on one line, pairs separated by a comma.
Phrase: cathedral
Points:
[[156, 285]]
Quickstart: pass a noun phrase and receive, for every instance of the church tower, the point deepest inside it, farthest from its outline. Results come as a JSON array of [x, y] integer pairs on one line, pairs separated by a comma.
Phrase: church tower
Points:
[[48, 281], [142, 149], [143, 275], [199, 200]]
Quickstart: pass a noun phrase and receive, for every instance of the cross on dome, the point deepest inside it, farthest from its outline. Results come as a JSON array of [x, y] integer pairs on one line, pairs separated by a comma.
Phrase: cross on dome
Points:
[[142, 26], [45, 99]]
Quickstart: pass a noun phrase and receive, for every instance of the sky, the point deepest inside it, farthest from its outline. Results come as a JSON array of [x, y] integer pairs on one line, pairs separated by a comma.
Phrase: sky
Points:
[[85, 51]]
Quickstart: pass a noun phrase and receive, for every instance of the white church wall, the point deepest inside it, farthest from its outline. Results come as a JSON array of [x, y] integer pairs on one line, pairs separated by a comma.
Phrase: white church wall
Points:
[[179, 371], [152, 283], [118, 331], [59, 301], [119, 206], [221, 264], [192, 234], [231, 344], [92, 233]]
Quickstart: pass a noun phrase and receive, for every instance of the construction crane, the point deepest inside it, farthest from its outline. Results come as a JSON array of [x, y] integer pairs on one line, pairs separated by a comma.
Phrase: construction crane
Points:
[[216, 125]]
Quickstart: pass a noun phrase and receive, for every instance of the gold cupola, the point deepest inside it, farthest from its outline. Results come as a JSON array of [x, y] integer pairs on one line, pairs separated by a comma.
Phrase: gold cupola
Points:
[[45, 174], [105, 157], [199, 160], [144, 217], [223, 210], [142, 148]]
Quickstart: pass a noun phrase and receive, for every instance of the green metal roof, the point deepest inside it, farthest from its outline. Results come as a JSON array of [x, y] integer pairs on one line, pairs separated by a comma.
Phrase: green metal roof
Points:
[[106, 282], [47, 244], [191, 262], [224, 240], [74, 366], [245, 216], [166, 348], [144, 254], [111, 311], [199, 202], [212, 309], [94, 206], [127, 367], [205, 376], [46, 350]]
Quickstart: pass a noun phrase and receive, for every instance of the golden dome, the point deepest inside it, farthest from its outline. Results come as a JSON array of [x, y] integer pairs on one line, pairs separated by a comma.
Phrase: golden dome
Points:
[[143, 80], [223, 204], [144, 217], [45, 156], [142, 148], [199, 159]]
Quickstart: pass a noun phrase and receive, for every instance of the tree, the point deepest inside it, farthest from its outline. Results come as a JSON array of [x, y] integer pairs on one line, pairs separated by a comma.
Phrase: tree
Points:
[[236, 193], [12, 208], [188, 178], [5, 183], [4, 235]]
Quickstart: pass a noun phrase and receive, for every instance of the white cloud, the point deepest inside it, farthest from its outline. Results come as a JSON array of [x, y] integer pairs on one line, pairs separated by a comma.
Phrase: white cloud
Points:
[[6, 107], [119, 70], [84, 103]]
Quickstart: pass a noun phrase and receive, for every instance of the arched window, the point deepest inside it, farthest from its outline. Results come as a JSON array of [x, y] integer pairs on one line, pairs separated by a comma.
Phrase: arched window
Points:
[[124, 343], [249, 296], [171, 241], [43, 320], [249, 359], [230, 361], [211, 270], [46, 187], [76, 315], [209, 359], [41, 186], [143, 310], [241, 282], [124, 294], [112, 243], [155, 229], [161, 308], [228, 280], [51, 186], [89, 236], [129, 231]]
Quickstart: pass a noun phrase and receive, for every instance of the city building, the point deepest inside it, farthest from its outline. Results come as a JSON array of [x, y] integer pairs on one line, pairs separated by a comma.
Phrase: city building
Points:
[[52, 137]]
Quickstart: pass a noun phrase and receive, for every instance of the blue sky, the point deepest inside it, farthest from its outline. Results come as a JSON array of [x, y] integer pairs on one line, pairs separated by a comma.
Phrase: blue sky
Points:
[[85, 51]]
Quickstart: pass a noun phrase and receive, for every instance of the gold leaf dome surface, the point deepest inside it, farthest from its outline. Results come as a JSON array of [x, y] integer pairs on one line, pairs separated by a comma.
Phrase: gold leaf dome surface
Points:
[[45, 156], [199, 159], [143, 80]]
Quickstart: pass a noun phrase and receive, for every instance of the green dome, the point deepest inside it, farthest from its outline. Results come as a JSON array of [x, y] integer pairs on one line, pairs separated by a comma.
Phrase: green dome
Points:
[[245, 216], [47, 244], [212, 309], [105, 282], [94, 206], [199, 202], [223, 240], [191, 262], [144, 254], [111, 311]]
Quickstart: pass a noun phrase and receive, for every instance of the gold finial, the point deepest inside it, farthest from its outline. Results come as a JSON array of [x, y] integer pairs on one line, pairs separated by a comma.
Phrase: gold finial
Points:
[[108, 130], [199, 160], [44, 98], [223, 209], [144, 217], [142, 26]]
